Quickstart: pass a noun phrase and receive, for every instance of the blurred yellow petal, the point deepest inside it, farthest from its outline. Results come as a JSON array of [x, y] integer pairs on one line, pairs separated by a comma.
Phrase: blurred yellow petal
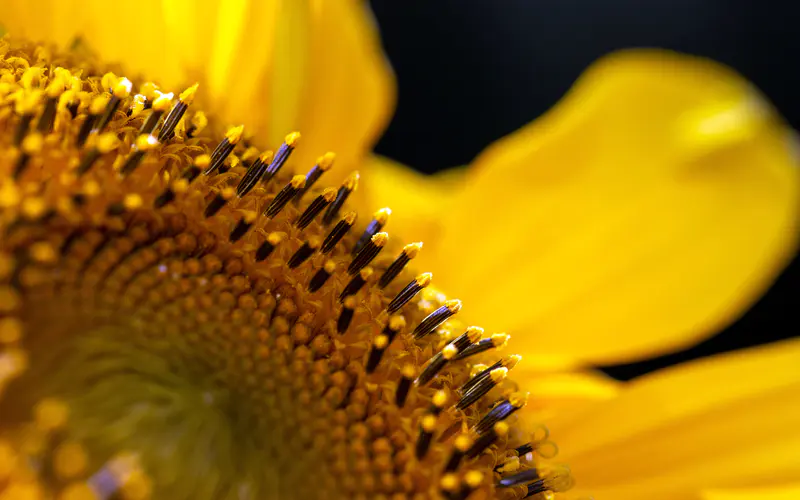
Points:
[[350, 93], [724, 422], [405, 191], [555, 394], [789, 492], [274, 65], [646, 211]]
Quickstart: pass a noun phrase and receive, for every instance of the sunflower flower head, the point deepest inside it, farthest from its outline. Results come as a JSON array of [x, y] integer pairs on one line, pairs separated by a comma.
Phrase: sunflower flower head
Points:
[[182, 316]]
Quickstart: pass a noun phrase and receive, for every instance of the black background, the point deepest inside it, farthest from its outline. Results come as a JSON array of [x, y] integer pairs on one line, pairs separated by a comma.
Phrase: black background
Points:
[[472, 71]]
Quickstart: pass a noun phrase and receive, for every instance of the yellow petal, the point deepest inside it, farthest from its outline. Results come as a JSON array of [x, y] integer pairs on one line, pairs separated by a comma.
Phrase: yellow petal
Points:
[[646, 211], [350, 92], [405, 191], [556, 394], [787, 492], [274, 65], [724, 422]]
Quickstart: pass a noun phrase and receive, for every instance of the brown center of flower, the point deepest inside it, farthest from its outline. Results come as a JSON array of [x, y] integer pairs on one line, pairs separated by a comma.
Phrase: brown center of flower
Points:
[[182, 318]]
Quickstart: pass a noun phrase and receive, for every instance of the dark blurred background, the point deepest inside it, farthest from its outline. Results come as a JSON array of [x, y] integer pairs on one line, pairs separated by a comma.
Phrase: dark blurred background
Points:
[[473, 72]]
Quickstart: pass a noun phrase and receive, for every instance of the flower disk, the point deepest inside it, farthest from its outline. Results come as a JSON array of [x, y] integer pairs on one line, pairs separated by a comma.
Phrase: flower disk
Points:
[[182, 317]]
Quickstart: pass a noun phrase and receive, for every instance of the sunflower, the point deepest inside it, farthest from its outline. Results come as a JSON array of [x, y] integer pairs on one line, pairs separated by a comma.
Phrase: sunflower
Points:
[[184, 317]]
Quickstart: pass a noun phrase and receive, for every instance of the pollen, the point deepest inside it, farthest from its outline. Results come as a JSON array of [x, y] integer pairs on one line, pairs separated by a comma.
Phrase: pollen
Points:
[[186, 315]]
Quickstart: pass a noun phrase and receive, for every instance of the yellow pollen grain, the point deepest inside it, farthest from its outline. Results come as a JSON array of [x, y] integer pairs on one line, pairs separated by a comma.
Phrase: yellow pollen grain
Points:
[[298, 181], [449, 482], [292, 139], [440, 398], [500, 339], [450, 351], [139, 100], [380, 239], [50, 414], [329, 194], [512, 361], [228, 192], [266, 156], [381, 341], [463, 442], [123, 88], [453, 305], [202, 161], [250, 154], [180, 185], [9, 194], [350, 218], [428, 423], [329, 266], [408, 371], [132, 201], [109, 80], [32, 143], [424, 279], [382, 216], [501, 429], [70, 460], [474, 333], [249, 216], [325, 161], [397, 322], [187, 96], [518, 399], [351, 182], [163, 102], [350, 302], [54, 88], [199, 122], [149, 90], [91, 188], [107, 142], [365, 273], [26, 104], [43, 251], [98, 104], [234, 135], [146, 142], [510, 465], [498, 374], [275, 238], [33, 208]]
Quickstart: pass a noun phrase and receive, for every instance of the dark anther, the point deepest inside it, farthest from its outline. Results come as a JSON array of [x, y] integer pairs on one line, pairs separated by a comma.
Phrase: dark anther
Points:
[[144, 143], [356, 283], [266, 248], [176, 113], [240, 229], [253, 174], [519, 478], [409, 252], [160, 106], [501, 411], [315, 207], [346, 316], [224, 149], [321, 276], [495, 341], [324, 163], [404, 386], [303, 253], [486, 439], [348, 186], [436, 318], [121, 90], [408, 292], [462, 443], [187, 177], [281, 155], [426, 429], [483, 386], [284, 196], [440, 359], [339, 230], [369, 252], [379, 219]]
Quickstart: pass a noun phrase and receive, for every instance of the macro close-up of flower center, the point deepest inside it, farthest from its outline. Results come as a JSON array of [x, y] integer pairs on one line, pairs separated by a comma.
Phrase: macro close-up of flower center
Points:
[[185, 315]]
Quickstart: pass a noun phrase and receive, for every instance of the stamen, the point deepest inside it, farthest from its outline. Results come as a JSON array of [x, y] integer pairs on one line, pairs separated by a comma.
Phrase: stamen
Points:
[[324, 163], [144, 143], [499, 430], [404, 386], [409, 252], [436, 318], [160, 106], [220, 200], [253, 174], [281, 155], [440, 359], [315, 207], [409, 292], [510, 465], [31, 145], [346, 315], [102, 144], [369, 252], [426, 430], [137, 106], [122, 89], [394, 326], [96, 107], [198, 124], [242, 226], [483, 386], [53, 92], [25, 107], [509, 362], [185, 99], [304, 252], [379, 219], [356, 283], [339, 230], [266, 248], [379, 345], [519, 478], [502, 411], [349, 185], [151, 92], [497, 340], [461, 445], [285, 195], [224, 148], [321, 276], [182, 184]]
